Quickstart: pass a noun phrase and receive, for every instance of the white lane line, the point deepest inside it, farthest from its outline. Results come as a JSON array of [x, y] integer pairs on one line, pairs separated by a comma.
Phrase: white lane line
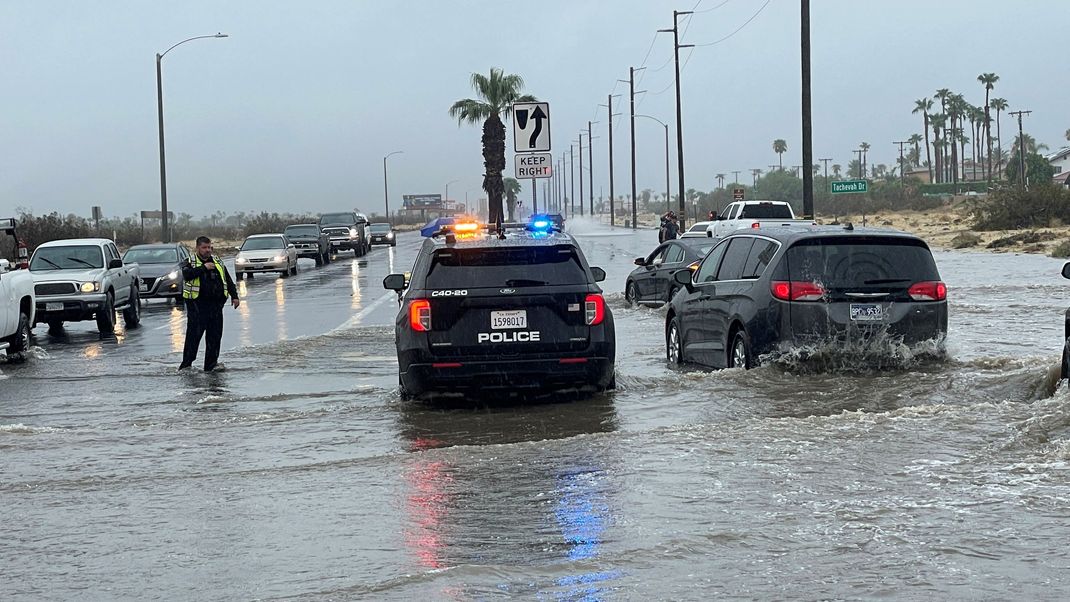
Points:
[[359, 317]]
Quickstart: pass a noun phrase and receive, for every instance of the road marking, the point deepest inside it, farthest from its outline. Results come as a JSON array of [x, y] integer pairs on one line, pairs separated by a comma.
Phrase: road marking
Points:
[[356, 320]]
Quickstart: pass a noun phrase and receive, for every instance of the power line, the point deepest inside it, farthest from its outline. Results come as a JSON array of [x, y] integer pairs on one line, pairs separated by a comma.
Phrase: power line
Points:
[[740, 28], [709, 10]]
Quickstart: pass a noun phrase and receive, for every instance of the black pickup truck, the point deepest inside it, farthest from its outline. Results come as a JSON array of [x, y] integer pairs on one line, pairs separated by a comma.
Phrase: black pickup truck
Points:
[[310, 241], [348, 231]]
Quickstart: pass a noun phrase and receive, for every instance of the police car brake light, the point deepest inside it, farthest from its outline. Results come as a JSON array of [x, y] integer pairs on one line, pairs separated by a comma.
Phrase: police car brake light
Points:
[[595, 306], [420, 315]]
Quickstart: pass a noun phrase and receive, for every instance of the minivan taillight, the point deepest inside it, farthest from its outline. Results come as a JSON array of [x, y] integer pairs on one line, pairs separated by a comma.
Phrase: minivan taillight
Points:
[[797, 291], [420, 315], [932, 290], [596, 309]]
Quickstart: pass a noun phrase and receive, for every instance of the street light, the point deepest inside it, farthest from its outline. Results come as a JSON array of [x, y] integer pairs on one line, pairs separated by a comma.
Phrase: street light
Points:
[[446, 199], [668, 193], [386, 190], [164, 226]]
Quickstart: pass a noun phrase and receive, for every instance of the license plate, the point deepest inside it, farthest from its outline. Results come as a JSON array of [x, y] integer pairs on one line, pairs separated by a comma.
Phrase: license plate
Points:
[[504, 320], [53, 306], [866, 312]]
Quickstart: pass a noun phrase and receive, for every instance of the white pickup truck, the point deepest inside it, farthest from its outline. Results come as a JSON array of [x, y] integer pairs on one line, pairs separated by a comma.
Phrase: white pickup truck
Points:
[[16, 309], [83, 279], [754, 214]]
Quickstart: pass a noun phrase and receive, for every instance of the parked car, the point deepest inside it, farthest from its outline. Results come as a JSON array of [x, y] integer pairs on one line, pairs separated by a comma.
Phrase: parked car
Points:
[[348, 231], [265, 253], [652, 282], [84, 279], [383, 233], [697, 230], [160, 269], [786, 288], [310, 242], [754, 215]]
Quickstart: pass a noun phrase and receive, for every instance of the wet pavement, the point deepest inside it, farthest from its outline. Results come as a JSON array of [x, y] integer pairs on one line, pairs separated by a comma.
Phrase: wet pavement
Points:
[[298, 473]]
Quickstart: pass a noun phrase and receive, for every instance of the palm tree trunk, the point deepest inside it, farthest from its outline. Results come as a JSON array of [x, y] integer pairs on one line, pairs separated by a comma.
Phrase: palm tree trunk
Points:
[[494, 162], [999, 147], [988, 137], [780, 159], [928, 155]]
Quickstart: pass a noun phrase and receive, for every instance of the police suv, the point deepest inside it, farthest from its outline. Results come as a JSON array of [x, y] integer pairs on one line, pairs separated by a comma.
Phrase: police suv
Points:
[[510, 309]]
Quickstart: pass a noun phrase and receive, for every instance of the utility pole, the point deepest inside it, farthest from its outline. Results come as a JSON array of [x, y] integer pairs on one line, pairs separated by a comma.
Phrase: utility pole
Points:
[[572, 177], [631, 95], [386, 189], [826, 162], [579, 143], [902, 176], [679, 117], [859, 153], [1021, 147], [612, 202], [807, 116], [735, 176], [590, 163], [754, 177]]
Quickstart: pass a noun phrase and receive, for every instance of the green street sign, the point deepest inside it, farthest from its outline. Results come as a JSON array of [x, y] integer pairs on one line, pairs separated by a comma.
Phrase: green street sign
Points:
[[850, 186]]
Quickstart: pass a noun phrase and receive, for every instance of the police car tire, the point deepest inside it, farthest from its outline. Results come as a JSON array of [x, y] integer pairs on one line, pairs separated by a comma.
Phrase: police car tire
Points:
[[106, 316]]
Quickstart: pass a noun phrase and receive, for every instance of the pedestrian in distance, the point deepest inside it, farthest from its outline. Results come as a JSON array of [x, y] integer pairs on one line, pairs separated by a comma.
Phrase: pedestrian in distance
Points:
[[670, 227], [712, 215], [207, 286]]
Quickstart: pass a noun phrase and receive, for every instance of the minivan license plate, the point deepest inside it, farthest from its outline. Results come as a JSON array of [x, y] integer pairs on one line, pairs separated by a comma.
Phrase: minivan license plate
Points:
[[866, 312], [504, 320]]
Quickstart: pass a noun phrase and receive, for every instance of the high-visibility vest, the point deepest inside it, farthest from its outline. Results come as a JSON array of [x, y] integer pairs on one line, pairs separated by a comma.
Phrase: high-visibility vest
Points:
[[191, 289]]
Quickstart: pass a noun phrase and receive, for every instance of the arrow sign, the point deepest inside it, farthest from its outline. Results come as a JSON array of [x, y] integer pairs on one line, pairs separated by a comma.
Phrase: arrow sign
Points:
[[531, 127]]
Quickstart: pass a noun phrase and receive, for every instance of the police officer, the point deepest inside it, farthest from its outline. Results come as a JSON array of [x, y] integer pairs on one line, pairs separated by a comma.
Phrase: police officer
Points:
[[206, 288]]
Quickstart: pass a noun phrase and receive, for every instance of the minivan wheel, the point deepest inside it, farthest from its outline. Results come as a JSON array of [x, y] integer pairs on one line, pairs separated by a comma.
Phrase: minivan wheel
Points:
[[674, 343], [740, 351]]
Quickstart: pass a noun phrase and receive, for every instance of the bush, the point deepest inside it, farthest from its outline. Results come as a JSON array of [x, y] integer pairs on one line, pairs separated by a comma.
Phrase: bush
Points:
[[1061, 250], [1025, 238], [1014, 209], [966, 240]]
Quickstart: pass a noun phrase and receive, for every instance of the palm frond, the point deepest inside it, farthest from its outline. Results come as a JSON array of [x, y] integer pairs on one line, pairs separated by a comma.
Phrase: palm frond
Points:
[[469, 111]]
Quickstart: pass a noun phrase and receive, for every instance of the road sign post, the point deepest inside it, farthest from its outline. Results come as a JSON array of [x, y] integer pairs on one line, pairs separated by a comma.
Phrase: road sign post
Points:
[[850, 186], [531, 127]]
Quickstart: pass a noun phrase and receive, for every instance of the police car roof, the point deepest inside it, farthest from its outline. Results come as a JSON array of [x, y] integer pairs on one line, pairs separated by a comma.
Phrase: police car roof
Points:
[[513, 238]]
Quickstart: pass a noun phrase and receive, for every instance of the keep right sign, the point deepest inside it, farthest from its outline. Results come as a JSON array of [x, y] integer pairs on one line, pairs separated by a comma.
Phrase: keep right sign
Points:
[[534, 165]]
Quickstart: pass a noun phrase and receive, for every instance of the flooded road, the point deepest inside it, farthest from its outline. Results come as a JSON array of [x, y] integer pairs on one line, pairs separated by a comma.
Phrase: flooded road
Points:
[[298, 473]]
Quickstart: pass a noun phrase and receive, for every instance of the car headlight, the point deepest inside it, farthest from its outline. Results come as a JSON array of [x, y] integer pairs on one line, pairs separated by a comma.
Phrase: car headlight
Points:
[[352, 233], [390, 235], [90, 287], [239, 259], [280, 258]]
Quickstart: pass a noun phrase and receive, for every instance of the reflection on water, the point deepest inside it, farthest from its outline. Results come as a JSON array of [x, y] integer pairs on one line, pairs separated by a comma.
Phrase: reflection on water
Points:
[[92, 351], [280, 308], [176, 323], [246, 336], [354, 270], [582, 513]]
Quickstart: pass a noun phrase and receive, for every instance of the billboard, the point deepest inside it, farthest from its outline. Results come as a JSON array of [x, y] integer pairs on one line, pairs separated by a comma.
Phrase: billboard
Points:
[[422, 201]]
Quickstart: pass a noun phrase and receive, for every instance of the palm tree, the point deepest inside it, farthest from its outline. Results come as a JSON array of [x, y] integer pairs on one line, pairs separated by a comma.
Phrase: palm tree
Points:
[[999, 104], [937, 122], [943, 95], [989, 80], [720, 180], [865, 155], [511, 188], [960, 134], [923, 106], [915, 140], [1031, 145], [997, 133], [780, 146], [496, 94], [836, 167]]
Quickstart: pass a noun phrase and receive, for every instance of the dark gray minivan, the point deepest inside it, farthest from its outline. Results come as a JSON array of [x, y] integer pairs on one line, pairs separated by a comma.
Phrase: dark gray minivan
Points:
[[783, 288]]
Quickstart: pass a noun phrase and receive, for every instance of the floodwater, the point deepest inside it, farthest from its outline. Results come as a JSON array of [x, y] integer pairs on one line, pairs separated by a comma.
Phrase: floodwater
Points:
[[299, 473]]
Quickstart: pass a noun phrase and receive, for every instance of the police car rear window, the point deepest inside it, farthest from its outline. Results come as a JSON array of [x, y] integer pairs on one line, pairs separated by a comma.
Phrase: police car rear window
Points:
[[511, 267]]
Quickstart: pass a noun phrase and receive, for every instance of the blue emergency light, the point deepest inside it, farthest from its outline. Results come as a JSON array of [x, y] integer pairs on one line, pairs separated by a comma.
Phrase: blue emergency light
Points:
[[540, 223]]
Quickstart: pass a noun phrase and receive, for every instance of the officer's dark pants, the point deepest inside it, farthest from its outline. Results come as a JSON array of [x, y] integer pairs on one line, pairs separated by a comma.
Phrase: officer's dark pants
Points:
[[203, 318]]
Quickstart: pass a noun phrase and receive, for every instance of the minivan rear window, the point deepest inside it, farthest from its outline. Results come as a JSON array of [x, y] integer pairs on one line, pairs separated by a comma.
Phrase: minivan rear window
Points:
[[851, 262], [518, 267]]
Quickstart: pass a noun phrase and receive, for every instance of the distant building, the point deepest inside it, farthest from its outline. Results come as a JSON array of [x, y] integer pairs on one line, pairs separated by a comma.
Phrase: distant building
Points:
[[1062, 179], [1060, 160], [921, 173]]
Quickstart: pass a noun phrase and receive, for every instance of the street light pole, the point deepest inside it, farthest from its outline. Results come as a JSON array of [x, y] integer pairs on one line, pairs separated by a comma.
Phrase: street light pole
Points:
[[579, 142], [590, 163], [668, 193], [807, 116], [386, 189], [165, 229], [631, 98], [612, 201], [446, 199]]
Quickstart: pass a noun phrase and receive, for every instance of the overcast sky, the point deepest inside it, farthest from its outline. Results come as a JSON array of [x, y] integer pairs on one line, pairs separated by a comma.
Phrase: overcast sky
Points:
[[296, 109]]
